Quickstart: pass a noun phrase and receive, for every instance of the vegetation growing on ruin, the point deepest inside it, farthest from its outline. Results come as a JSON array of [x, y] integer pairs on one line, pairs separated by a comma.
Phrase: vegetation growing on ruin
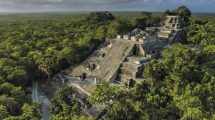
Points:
[[181, 86], [182, 11], [36, 48]]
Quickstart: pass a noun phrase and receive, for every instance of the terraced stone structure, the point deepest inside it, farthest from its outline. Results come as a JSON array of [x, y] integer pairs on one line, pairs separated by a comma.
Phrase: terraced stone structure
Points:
[[121, 60]]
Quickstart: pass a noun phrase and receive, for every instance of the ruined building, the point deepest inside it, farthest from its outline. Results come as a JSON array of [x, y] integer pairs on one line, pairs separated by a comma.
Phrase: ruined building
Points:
[[121, 60], [172, 25]]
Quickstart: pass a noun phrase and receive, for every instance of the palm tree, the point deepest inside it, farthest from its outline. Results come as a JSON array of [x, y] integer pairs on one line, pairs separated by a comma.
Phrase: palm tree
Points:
[[45, 68]]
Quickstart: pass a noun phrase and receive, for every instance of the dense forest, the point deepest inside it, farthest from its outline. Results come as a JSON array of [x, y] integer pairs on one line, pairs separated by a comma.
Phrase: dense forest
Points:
[[179, 86], [36, 49]]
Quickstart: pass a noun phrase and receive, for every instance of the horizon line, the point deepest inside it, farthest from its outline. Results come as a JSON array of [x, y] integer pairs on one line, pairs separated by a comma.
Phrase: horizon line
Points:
[[93, 11]]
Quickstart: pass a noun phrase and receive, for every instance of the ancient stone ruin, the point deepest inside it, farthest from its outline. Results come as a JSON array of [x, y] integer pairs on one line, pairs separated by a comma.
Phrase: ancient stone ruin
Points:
[[121, 60]]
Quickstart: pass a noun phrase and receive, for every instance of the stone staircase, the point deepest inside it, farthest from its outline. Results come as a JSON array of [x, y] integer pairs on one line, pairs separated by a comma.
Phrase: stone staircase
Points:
[[131, 68], [93, 111], [113, 59], [128, 70]]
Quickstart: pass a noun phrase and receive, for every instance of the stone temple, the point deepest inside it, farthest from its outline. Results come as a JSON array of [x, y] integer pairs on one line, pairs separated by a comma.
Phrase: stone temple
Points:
[[121, 60]]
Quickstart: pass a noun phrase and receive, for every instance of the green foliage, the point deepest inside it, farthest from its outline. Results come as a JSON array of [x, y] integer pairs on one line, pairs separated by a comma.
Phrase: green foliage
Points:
[[100, 17], [155, 70], [180, 86], [64, 106], [3, 112], [145, 19], [41, 48], [76, 117], [104, 93], [201, 33], [119, 102], [36, 49], [17, 92], [182, 11], [118, 27], [30, 112]]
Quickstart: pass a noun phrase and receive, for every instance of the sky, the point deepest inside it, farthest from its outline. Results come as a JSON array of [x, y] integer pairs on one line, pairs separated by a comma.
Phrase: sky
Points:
[[104, 5]]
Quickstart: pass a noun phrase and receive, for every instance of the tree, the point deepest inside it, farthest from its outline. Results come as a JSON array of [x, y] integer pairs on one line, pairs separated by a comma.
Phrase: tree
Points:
[[207, 36], [64, 106], [120, 105], [100, 17], [155, 70], [182, 11], [30, 112], [146, 14], [139, 22], [201, 33], [10, 104], [118, 27], [3, 112], [193, 113]]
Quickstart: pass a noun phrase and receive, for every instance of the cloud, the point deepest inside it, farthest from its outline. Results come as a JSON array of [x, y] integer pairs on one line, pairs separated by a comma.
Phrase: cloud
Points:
[[90, 5], [66, 2], [63, 4]]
